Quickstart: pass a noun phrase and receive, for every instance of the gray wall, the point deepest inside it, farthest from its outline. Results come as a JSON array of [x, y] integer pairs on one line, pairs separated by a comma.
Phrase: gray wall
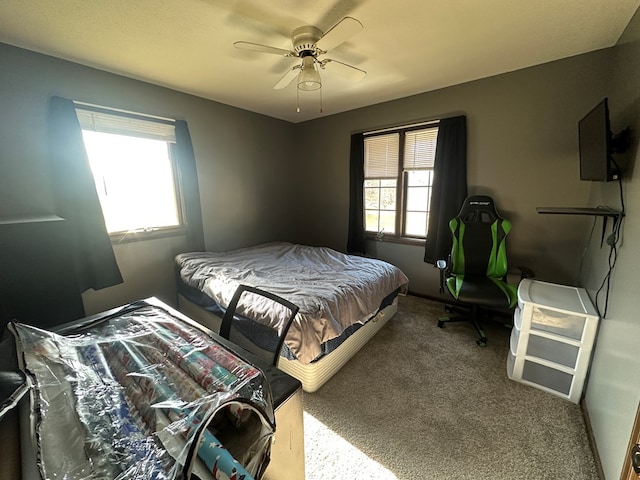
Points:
[[243, 161], [613, 391], [522, 150]]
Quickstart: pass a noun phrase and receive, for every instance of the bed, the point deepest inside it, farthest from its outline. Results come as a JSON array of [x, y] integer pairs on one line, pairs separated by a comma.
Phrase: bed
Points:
[[344, 300]]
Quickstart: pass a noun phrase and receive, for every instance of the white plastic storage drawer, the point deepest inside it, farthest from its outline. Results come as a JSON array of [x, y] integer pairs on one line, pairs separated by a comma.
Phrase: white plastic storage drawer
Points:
[[511, 364], [558, 309], [557, 352], [547, 377], [517, 318], [557, 322], [544, 348], [555, 297], [514, 342]]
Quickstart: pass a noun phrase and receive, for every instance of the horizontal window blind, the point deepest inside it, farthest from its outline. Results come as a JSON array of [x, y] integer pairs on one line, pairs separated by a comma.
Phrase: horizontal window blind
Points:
[[420, 148], [381, 156], [99, 121]]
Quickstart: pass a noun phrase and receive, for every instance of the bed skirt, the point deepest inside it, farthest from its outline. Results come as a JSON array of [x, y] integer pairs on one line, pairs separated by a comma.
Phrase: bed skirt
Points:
[[315, 374]]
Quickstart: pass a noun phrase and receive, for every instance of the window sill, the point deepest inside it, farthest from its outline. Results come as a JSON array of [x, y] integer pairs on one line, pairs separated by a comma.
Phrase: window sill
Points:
[[400, 240], [118, 238]]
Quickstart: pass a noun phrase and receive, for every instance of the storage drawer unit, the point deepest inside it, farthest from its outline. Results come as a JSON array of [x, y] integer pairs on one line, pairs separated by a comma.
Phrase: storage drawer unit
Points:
[[551, 342]]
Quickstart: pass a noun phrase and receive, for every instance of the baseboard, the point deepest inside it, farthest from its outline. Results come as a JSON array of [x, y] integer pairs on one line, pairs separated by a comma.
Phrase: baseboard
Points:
[[592, 439], [429, 297]]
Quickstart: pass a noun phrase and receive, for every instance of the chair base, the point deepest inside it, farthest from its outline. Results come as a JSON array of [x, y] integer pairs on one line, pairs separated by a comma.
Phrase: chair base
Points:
[[472, 315]]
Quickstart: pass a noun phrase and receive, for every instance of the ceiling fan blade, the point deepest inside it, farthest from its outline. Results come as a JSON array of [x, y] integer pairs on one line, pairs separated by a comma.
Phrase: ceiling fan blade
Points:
[[287, 78], [257, 47], [347, 71], [339, 33]]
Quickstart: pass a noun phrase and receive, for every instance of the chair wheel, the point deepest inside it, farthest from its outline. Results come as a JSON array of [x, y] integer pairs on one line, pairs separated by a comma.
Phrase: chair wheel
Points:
[[482, 342]]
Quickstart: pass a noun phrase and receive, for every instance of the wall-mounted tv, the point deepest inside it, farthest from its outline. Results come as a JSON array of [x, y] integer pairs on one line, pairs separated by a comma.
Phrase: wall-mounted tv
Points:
[[595, 141]]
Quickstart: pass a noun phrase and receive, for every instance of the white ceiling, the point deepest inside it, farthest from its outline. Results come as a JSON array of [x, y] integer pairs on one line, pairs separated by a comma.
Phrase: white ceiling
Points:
[[406, 47]]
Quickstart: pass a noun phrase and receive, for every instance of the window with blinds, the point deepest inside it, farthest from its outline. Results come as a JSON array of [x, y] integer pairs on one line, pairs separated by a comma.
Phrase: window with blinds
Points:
[[134, 171], [127, 124], [398, 181], [381, 155]]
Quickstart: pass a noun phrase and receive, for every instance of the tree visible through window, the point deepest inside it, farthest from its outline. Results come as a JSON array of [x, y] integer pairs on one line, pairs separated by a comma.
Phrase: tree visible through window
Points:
[[398, 180], [133, 170]]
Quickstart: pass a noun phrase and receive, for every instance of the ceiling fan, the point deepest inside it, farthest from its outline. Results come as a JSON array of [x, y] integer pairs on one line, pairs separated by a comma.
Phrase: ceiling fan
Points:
[[309, 43]]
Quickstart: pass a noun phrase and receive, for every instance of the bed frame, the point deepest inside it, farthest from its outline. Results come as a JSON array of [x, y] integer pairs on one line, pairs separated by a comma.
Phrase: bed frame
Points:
[[315, 374]]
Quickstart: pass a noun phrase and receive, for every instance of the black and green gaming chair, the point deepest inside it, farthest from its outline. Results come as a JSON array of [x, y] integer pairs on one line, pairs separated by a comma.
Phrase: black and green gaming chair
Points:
[[475, 273]]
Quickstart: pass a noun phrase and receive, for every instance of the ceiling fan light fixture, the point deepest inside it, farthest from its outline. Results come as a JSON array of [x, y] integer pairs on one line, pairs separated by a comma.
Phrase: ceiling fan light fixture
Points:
[[309, 77]]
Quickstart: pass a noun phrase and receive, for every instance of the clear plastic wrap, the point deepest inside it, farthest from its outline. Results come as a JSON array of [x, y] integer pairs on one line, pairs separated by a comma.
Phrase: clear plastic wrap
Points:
[[143, 395]]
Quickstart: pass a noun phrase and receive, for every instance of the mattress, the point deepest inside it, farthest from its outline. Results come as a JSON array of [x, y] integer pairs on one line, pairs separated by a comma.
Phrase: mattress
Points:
[[315, 374], [337, 294]]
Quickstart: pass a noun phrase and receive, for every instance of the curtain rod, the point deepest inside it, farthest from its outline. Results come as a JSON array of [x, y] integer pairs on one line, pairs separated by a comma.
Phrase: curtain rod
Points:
[[400, 127], [126, 113]]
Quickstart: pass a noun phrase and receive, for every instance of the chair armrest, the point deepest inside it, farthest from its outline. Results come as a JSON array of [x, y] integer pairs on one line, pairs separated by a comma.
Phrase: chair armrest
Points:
[[443, 266]]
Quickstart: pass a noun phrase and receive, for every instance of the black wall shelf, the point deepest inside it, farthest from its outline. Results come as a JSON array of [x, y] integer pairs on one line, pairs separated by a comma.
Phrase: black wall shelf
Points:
[[604, 212], [593, 211]]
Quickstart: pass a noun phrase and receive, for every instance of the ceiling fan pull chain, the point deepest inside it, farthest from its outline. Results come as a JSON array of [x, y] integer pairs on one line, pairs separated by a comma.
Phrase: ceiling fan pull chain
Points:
[[321, 101], [297, 100]]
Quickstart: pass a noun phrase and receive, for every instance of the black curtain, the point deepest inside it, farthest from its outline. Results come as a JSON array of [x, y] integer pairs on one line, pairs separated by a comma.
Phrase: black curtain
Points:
[[76, 199], [356, 243], [189, 180], [449, 186]]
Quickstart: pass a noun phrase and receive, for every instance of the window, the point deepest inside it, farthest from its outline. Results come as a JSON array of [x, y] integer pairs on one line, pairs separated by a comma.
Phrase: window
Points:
[[398, 167], [134, 171]]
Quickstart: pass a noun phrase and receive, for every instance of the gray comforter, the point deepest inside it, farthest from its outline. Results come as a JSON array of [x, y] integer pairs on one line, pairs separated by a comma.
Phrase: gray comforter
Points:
[[332, 290]]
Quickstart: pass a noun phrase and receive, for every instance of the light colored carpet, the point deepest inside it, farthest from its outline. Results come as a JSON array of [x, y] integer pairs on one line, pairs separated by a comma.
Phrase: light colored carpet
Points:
[[420, 402]]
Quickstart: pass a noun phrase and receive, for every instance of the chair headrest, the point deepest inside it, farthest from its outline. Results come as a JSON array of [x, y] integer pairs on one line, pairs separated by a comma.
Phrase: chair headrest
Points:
[[478, 209]]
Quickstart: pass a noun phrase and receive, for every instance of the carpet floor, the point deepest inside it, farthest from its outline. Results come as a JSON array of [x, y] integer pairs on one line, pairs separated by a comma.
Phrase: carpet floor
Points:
[[420, 402]]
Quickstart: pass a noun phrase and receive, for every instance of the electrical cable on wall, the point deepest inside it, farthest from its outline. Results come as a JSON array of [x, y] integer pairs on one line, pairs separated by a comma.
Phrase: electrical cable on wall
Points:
[[612, 241]]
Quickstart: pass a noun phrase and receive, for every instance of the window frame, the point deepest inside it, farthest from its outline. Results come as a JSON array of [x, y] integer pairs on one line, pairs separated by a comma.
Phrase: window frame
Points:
[[140, 234], [401, 187]]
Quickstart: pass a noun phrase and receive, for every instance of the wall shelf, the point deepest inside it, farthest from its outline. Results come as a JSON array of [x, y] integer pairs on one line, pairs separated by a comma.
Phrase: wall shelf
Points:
[[604, 212], [593, 211]]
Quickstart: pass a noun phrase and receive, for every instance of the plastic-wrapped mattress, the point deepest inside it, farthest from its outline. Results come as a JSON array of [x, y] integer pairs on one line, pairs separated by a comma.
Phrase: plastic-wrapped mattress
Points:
[[140, 394]]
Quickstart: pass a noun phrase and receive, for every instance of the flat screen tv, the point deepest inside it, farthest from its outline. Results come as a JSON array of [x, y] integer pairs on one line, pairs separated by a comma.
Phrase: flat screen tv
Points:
[[595, 141]]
